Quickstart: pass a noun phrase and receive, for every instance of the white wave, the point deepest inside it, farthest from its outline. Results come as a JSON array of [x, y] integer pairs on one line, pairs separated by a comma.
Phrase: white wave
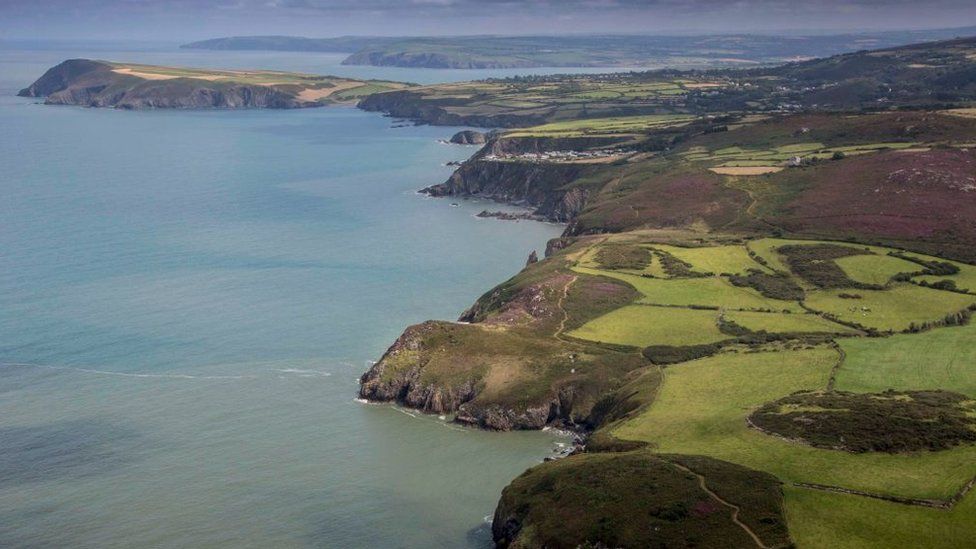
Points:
[[303, 373]]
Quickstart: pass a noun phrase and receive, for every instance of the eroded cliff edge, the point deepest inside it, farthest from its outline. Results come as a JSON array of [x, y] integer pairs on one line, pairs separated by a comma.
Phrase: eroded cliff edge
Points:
[[509, 365]]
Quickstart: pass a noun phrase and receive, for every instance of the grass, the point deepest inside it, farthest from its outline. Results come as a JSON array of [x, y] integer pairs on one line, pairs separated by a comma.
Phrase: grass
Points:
[[896, 308], [702, 408], [642, 325], [823, 520], [710, 291], [874, 269], [965, 279], [943, 358], [622, 125], [738, 156], [714, 259], [785, 323]]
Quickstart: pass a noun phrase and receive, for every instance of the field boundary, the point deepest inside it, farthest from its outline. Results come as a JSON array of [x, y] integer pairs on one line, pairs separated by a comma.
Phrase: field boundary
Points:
[[943, 504]]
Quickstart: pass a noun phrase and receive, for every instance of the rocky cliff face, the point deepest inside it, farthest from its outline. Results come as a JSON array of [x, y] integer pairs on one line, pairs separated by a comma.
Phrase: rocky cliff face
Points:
[[95, 84], [469, 137], [540, 186]]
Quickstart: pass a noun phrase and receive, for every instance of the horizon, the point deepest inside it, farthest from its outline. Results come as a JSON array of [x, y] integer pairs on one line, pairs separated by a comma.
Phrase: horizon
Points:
[[193, 20]]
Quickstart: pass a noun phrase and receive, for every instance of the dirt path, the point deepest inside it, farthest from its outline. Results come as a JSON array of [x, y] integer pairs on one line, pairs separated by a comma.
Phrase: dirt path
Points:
[[735, 508], [559, 304]]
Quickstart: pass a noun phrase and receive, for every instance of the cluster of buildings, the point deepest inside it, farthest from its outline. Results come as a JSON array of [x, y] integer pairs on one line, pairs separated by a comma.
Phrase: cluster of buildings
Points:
[[555, 156]]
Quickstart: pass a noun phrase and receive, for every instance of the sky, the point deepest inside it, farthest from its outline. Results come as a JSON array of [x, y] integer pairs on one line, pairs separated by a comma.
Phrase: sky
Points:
[[185, 20]]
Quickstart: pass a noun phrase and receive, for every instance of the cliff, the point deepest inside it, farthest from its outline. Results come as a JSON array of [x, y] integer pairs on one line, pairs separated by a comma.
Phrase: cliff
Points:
[[502, 369], [539, 186]]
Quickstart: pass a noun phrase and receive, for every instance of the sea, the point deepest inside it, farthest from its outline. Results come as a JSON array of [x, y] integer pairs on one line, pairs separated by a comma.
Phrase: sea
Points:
[[187, 300]]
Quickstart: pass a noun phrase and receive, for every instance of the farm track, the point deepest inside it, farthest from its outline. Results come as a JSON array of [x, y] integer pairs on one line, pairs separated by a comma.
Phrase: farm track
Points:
[[735, 508]]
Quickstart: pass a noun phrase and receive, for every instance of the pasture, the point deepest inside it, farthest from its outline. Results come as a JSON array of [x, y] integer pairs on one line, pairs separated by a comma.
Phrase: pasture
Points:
[[896, 308], [643, 325], [702, 406]]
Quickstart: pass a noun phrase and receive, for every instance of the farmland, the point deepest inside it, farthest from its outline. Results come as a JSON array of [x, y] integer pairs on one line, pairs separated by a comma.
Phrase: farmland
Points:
[[771, 274], [748, 369]]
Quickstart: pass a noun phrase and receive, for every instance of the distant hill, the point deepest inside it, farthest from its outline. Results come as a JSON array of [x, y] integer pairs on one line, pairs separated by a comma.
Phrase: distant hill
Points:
[[481, 52], [340, 44]]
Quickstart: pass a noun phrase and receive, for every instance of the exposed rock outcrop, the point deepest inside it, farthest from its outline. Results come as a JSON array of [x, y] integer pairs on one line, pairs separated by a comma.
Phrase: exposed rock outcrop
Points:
[[469, 137], [539, 186]]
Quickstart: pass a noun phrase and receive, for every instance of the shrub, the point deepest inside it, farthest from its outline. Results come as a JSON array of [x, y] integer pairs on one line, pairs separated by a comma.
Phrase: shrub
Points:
[[623, 256], [778, 286], [673, 354]]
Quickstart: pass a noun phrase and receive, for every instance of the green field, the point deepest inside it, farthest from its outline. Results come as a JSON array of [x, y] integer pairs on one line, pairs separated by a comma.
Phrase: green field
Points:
[[714, 259], [643, 325], [702, 407], [780, 155], [625, 125], [710, 291], [965, 279], [944, 358], [896, 308], [875, 269], [823, 520], [785, 323]]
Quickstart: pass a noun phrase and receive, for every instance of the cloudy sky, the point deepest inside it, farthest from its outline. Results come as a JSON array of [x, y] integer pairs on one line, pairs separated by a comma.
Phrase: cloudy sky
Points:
[[181, 20]]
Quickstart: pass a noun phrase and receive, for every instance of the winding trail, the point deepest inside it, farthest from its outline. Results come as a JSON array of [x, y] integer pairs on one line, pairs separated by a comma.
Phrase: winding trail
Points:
[[559, 304], [735, 508]]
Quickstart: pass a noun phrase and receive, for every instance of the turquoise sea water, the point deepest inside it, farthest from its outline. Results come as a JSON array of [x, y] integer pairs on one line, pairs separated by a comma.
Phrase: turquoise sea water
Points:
[[187, 300]]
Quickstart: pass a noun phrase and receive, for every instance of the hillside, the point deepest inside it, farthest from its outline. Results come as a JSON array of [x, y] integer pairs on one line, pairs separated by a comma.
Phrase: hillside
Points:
[[925, 75], [129, 86], [493, 51]]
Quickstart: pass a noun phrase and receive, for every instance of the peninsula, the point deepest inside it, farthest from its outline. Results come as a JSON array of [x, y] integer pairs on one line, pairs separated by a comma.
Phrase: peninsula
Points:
[[130, 86]]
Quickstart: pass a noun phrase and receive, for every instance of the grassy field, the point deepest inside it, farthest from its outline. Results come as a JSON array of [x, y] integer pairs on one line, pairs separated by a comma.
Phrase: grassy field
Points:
[[823, 520], [702, 407], [643, 325], [612, 126], [777, 156], [965, 279], [714, 259], [875, 269], [710, 291], [785, 323], [896, 308], [944, 358]]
